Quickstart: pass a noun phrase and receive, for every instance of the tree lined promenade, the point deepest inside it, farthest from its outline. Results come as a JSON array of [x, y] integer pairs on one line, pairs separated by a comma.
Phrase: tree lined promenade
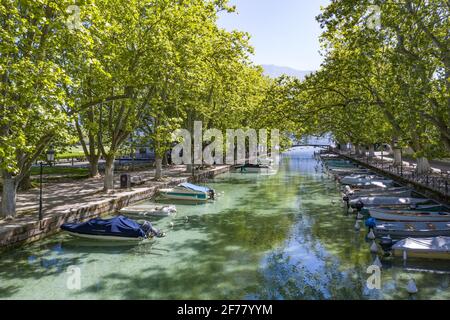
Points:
[[83, 199], [385, 79], [112, 76]]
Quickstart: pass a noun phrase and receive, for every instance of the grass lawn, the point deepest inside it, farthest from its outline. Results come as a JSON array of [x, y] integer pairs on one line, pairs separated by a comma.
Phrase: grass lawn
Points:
[[60, 170], [74, 152]]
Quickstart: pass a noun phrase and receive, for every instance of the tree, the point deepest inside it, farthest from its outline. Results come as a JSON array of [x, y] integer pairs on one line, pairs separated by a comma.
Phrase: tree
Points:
[[31, 94]]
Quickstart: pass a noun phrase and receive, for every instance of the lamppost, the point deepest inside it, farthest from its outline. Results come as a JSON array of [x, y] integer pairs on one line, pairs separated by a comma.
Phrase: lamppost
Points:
[[50, 158]]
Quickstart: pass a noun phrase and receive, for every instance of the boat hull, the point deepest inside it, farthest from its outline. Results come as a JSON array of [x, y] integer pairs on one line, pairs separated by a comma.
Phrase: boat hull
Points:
[[103, 238], [253, 169], [436, 255], [425, 248], [413, 229], [381, 193], [413, 216], [143, 211], [175, 195], [379, 201]]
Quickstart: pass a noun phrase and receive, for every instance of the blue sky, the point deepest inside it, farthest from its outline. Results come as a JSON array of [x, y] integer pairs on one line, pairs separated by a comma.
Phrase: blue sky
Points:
[[284, 32]]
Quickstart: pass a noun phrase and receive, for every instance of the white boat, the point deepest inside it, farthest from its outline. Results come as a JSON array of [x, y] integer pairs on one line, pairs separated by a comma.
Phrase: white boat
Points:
[[189, 192], [253, 168], [348, 172], [266, 161], [412, 229], [149, 210], [389, 201], [427, 248], [365, 180], [410, 215], [363, 192], [382, 193]]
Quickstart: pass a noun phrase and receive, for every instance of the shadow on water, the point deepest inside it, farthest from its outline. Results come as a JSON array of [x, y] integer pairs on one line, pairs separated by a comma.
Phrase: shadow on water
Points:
[[284, 236], [224, 261]]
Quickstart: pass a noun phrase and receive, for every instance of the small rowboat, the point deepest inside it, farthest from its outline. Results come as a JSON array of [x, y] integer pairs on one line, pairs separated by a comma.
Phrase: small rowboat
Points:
[[346, 172], [391, 192], [412, 229], [409, 215], [389, 201], [338, 164], [427, 248], [253, 168], [408, 208], [189, 192], [366, 180], [149, 210], [363, 191]]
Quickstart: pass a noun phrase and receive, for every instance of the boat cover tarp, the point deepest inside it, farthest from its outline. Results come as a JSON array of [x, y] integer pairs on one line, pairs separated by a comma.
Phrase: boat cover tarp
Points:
[[194, 187], [430, 244], [118, 226]]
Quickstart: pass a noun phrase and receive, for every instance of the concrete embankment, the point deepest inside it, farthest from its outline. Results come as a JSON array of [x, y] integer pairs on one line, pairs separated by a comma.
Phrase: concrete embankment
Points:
[[27, 228]]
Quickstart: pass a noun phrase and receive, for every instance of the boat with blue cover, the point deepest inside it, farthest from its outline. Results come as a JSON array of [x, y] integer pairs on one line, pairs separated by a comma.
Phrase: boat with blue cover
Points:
[[119, 228], [188, 191]]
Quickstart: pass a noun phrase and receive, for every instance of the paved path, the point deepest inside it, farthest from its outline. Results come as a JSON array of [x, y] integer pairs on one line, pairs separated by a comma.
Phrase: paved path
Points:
[[438, 179], [63, 196], [436, 165]]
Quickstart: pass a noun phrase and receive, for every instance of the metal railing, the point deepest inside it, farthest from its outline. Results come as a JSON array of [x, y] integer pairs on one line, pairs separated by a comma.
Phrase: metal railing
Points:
[[437, 181]]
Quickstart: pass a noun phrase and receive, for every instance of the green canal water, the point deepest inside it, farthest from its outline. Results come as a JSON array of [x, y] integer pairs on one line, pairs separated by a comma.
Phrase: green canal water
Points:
[[280, 236]]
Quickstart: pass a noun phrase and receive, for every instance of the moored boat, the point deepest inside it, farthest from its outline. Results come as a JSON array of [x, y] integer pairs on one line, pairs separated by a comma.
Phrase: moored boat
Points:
[[391, 192], [409, 215], [188, 191], [347, 172], [389, 201], [427, 248], [407, 208], [253, 168], [149, 210], [119, 228], [412, 229], [365, 180]]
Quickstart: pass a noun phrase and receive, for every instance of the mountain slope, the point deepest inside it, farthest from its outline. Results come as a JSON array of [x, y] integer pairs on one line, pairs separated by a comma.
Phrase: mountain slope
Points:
[[276, 71]]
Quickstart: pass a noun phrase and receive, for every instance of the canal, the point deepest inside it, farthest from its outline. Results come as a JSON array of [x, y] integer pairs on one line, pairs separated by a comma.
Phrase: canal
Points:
[[279, 236]]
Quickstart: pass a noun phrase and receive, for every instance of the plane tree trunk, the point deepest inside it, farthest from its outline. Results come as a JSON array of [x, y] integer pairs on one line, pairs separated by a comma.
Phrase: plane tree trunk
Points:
[[158, 167], [397, 156], [109, 174], [9, 193], [423, 166], [371, 151]]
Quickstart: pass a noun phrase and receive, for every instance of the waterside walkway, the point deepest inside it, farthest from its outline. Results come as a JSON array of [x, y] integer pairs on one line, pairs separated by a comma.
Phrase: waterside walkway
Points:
[[435, 184], [84, 199]]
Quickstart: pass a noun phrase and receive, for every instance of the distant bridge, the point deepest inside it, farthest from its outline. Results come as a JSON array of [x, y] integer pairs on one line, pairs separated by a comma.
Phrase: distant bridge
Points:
[[312, 145]]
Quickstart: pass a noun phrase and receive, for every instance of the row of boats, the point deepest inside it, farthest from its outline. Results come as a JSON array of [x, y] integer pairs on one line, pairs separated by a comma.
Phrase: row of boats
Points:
[[132, 224], [125, 228], [406, 223]]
